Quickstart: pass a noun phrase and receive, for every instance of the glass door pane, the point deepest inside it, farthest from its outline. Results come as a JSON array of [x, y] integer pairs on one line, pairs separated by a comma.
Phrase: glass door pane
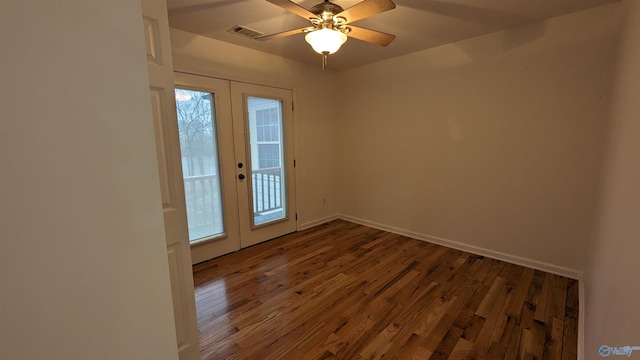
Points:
[[267, 160], [200, 165]]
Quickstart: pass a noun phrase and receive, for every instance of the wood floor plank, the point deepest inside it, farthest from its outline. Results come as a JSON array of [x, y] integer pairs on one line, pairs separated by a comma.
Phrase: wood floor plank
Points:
[[461, 350], [570, 337], [345, 291], [544, 302]]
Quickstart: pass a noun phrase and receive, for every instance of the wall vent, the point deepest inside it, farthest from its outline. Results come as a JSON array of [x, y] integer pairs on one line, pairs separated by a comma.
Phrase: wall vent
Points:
[[244, 31]]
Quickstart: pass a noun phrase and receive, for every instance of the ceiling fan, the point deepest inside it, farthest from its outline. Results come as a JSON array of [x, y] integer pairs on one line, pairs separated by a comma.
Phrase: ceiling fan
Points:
[[331, 24]]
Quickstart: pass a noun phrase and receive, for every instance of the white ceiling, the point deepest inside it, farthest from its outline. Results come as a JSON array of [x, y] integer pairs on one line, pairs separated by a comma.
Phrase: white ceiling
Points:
[[418, 24]]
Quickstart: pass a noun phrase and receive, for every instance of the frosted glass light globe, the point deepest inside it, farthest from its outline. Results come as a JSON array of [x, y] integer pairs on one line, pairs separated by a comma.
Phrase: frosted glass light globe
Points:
[[326, 40]]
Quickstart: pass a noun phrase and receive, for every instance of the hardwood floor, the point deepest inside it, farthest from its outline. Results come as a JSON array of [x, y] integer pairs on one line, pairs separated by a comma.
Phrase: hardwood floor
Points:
[[345, 291]]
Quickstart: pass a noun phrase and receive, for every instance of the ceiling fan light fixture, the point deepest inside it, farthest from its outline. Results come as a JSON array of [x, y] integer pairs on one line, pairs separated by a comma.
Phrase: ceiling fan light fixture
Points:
[[326, 40]]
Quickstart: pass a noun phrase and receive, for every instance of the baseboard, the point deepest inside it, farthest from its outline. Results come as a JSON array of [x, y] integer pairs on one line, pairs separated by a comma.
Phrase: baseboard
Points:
[[518, 260], [316, 222]]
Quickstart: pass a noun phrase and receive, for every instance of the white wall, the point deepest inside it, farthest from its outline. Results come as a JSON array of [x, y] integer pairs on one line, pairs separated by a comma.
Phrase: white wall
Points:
[[613, 293], [314, 116], [495, 142], [83, 268]]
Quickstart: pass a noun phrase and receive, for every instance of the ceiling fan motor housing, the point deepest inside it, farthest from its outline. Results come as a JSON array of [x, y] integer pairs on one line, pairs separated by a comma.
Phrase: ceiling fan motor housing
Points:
[[326, 10]]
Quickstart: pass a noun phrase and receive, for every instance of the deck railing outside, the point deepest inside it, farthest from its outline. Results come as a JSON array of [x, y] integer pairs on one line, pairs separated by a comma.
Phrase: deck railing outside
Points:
[[204, 204], [267, 193]]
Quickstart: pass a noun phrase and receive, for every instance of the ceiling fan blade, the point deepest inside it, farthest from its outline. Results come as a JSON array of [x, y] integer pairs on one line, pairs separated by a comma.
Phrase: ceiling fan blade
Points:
[[371, 36], [294, 8], [365, 9], [281, 34]]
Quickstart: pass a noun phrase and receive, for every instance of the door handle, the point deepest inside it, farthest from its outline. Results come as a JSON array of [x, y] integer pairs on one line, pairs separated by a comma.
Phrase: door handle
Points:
[[241, 176]]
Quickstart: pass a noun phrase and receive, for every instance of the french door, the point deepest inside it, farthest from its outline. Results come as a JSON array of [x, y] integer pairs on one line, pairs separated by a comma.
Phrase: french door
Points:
[[237, 160]]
